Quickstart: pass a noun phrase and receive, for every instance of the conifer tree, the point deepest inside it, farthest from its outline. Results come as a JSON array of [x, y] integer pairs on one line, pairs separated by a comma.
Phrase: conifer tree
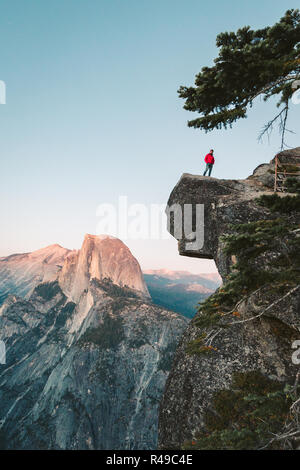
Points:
[[265, 63]]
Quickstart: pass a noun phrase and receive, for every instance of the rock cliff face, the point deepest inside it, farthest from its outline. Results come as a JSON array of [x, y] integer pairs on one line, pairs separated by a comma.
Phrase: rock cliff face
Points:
[[253, 336], [225, 202], [86, 367]]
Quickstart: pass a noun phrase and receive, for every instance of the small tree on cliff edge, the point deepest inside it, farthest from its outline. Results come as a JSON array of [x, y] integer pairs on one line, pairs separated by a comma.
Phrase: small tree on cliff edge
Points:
[[251, 63]]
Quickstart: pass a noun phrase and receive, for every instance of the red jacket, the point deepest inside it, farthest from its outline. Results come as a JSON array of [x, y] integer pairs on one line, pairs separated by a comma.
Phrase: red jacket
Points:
[[209, 158]]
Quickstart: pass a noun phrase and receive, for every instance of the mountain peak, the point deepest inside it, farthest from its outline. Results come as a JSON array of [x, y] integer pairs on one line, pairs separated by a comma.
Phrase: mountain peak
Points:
[[100, 237], [53, 251], [101, 257]]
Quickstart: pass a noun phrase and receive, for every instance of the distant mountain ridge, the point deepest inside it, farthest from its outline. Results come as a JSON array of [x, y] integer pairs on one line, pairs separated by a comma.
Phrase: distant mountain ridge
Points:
[[169, 274], [180, 291]]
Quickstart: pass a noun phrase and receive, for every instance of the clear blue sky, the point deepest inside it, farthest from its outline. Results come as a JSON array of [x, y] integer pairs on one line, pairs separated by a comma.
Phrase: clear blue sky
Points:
[[92, 112]]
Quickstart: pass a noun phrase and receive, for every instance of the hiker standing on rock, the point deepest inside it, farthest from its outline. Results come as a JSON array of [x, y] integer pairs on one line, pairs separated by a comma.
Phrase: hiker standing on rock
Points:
[[209, 160]]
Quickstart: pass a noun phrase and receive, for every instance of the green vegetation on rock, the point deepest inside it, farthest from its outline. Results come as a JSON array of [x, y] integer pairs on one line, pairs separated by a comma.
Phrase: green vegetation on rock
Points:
[[267, 253], [246, 416], [285, 205], [47, 290], [108, 334], [292, 185]]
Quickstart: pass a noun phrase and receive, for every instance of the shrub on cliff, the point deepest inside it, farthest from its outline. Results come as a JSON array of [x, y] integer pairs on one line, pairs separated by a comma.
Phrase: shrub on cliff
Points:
[[283, 205], [267, 254], [249, 415]]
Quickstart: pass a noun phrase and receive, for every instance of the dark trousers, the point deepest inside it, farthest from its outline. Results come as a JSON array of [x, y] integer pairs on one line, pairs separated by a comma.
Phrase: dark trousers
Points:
[[209, 167]]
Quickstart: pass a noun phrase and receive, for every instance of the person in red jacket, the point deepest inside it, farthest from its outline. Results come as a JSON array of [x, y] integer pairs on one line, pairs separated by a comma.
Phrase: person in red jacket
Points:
[[209, 160]]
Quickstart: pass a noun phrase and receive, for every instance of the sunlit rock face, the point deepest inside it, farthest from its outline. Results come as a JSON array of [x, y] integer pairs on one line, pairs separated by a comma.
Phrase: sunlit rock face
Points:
[[101, 257]]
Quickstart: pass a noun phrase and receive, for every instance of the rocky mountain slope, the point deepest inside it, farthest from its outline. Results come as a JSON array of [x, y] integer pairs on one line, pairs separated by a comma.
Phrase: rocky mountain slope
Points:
[[20, 273], [233, 383], [86, 367]]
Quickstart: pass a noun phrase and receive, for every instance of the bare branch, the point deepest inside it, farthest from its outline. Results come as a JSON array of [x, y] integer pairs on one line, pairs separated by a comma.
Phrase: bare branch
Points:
[[267, 129], [267, 308]]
